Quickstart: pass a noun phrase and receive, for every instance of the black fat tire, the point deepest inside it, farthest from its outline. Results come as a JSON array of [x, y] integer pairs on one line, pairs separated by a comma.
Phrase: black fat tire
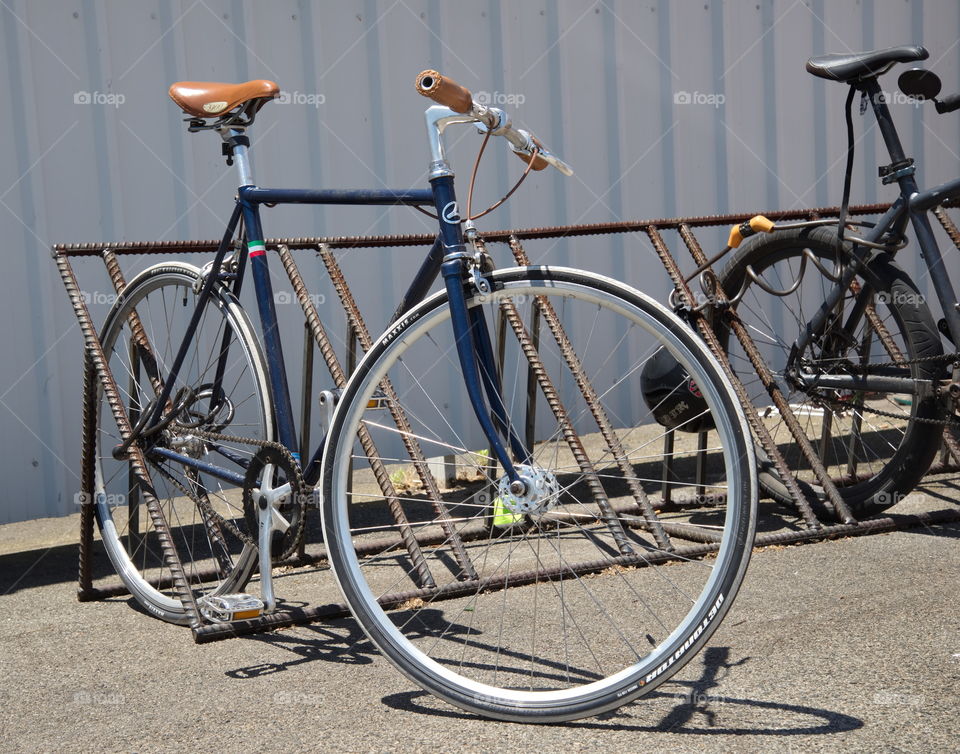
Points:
[[919, 338]]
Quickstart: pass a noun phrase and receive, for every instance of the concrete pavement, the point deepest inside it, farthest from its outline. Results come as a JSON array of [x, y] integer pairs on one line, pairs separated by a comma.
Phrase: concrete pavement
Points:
[[847, 645]]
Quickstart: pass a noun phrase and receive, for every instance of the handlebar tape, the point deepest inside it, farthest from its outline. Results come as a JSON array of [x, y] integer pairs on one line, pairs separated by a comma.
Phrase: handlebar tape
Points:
[[948, 104], [444, 91]]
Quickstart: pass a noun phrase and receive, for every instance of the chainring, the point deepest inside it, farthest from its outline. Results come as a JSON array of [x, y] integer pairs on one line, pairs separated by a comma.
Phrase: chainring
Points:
[[293, 509]]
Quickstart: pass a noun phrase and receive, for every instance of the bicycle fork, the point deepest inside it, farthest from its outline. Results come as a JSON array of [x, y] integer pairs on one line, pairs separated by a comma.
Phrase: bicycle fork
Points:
[[474, 349], [475, 354]]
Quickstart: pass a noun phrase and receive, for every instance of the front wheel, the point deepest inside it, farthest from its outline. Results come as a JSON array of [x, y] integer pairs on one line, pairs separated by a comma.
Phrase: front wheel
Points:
[[554, 605]]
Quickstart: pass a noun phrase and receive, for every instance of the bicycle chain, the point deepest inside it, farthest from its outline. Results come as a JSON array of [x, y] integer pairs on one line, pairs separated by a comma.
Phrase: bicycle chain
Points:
[[205, 506], [945, 358], [919, 419]]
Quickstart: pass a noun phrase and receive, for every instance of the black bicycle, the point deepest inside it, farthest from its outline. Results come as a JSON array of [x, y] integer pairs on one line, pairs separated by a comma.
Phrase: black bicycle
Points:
[[848, 335]]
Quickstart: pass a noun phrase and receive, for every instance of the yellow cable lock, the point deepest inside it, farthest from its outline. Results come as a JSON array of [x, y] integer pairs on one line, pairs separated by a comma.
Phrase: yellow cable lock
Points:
[[756, 224]]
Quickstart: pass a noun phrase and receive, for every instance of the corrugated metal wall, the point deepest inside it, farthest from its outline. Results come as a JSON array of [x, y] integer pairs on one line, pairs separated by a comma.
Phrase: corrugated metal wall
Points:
[[663, 108]]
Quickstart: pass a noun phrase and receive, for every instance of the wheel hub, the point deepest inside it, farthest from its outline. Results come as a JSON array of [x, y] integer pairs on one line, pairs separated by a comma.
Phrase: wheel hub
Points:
[[189, 445], [541, 491]]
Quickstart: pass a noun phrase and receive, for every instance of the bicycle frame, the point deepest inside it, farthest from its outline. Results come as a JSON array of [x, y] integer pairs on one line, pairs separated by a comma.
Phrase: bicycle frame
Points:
[[447, 257], [911, 206]]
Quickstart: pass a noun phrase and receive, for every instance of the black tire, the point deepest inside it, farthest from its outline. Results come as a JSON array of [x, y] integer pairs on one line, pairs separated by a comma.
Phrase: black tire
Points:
[[215, 560], [890, 454], [581, 633]]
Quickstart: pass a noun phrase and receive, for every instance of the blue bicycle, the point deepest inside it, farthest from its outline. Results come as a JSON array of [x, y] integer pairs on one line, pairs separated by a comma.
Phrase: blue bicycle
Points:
[[492, 478]]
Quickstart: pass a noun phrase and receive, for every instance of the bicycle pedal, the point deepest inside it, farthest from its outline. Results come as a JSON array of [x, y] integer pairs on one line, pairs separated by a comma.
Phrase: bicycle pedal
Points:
[[225, 608]]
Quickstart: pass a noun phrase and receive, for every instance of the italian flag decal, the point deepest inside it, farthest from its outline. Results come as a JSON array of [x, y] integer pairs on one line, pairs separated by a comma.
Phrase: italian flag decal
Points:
[[257, 248]]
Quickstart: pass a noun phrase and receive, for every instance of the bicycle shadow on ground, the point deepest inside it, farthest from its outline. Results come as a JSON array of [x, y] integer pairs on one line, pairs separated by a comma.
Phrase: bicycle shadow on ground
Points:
[[941, 487], [339, 640], [688, 707], [343, 641], [697, 708]]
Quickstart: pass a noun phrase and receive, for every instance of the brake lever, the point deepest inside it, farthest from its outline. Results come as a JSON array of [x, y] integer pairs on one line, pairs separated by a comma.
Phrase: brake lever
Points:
[[543, 152], [556, 162]]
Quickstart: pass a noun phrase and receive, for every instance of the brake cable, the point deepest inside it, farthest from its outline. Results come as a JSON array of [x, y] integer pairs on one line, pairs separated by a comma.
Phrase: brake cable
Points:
[[847, 176]]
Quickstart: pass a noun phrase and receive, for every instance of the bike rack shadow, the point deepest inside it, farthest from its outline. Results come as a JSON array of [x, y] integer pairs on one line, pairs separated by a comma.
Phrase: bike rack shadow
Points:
[[339, 640], [44, 566]]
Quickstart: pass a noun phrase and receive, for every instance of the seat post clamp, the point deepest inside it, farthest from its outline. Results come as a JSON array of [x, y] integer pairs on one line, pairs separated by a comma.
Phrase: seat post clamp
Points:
[[897, 170], [229, 142]]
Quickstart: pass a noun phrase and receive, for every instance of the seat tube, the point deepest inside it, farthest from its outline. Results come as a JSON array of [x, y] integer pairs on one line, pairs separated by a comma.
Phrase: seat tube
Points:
[[885, 123], [455, 265], [283, 409]]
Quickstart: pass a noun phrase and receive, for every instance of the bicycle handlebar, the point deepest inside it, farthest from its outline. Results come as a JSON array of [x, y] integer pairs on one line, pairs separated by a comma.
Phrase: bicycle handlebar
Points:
[[447, 92], [947, 104], [444, 91]]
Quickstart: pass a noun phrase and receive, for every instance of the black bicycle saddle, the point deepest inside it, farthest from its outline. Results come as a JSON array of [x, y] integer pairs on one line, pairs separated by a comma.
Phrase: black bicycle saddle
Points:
[[856, 66]]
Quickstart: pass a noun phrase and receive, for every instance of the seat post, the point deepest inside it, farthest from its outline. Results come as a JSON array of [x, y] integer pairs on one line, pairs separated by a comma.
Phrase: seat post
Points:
[[237, 142], [884, 121]]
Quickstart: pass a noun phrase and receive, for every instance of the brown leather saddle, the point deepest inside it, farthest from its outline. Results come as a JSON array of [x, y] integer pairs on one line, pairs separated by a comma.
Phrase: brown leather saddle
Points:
[[208, 99]]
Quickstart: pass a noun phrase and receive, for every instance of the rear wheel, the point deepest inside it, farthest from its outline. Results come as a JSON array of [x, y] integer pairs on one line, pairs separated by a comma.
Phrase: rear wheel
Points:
[[874, 445], [205, 515], [552, 605]]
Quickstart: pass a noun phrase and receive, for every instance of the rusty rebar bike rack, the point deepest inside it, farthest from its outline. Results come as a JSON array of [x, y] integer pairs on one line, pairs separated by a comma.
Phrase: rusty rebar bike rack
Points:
[[97, 375]]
